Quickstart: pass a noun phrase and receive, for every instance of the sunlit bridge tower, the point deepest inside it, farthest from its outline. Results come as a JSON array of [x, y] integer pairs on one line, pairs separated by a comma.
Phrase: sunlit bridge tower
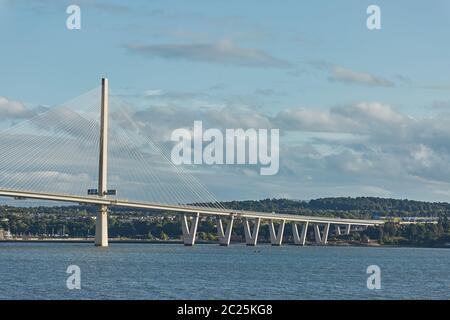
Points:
[[101, 223]]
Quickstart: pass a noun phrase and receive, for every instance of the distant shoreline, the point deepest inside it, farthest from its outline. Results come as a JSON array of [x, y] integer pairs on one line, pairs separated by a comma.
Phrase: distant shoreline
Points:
[[110, 241], [136, 241], [92, 241]]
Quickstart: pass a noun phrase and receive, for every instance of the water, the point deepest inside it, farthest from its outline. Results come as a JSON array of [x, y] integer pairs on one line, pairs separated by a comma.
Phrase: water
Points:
[[160, 271]]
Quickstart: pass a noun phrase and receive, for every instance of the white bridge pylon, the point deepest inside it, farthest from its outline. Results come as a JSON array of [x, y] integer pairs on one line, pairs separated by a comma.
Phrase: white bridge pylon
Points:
[[250, 220], [276, 237], [225, 237], [101, 223]]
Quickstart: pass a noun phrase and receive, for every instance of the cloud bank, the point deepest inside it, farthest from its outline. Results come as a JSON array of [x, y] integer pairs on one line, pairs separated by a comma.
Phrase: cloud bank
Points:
[[341, 74], [222, 52]]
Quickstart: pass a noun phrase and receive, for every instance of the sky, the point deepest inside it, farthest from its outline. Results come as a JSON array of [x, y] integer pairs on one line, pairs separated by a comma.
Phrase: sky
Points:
[[360, 112]]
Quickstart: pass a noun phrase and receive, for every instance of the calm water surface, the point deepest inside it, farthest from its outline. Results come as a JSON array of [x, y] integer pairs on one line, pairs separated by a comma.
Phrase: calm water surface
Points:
[[160, 271]]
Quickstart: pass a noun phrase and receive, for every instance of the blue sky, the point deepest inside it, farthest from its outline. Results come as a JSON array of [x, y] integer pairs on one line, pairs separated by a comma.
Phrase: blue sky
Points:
[[361, 112]]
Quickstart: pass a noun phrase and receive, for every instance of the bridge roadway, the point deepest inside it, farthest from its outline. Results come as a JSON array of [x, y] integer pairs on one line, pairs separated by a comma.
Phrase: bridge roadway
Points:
[[189, 231]]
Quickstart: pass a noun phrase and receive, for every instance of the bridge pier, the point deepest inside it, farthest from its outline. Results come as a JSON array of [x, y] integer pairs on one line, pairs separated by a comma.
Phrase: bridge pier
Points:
[[299, 240], [189, 232], [101, 227], [321, 239], [337, 230], [276, 237], [224, 237], [326, 230], [347, 228], [251, 238]]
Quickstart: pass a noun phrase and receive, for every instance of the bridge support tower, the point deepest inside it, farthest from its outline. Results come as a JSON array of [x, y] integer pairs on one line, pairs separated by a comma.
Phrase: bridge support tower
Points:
[[299, 240], [251, 238], [224, 236], [321, 239], [348, 228], [101, 223], [189, 232], [276, 238]]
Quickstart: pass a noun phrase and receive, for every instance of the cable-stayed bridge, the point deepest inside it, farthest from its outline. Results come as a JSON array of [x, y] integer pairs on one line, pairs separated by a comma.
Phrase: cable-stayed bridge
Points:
[[68, 156]]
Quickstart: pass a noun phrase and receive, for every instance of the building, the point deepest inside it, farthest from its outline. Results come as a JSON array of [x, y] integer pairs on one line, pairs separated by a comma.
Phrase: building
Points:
[[5, 235]]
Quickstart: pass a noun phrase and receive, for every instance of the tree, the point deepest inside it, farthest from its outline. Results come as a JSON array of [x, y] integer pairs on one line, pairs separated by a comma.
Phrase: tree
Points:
[[163, 236]]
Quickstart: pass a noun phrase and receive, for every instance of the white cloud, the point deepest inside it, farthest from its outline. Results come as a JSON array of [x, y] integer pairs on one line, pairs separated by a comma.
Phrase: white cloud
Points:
[[360, 117], [222, 52], [153, 92], [341, 74], [13, 109]]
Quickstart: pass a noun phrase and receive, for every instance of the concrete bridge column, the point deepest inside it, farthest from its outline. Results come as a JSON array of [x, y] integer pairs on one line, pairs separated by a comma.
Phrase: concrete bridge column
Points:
[[251, 238], [321, 239], [300, 240], [347, 228], [276, 237], [317, 234], [189, 233], [101, 227], [326, 230], [337, 229], [224, 237]]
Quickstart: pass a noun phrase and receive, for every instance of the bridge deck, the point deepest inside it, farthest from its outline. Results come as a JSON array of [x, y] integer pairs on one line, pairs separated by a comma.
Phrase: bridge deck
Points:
[[184, 208]]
